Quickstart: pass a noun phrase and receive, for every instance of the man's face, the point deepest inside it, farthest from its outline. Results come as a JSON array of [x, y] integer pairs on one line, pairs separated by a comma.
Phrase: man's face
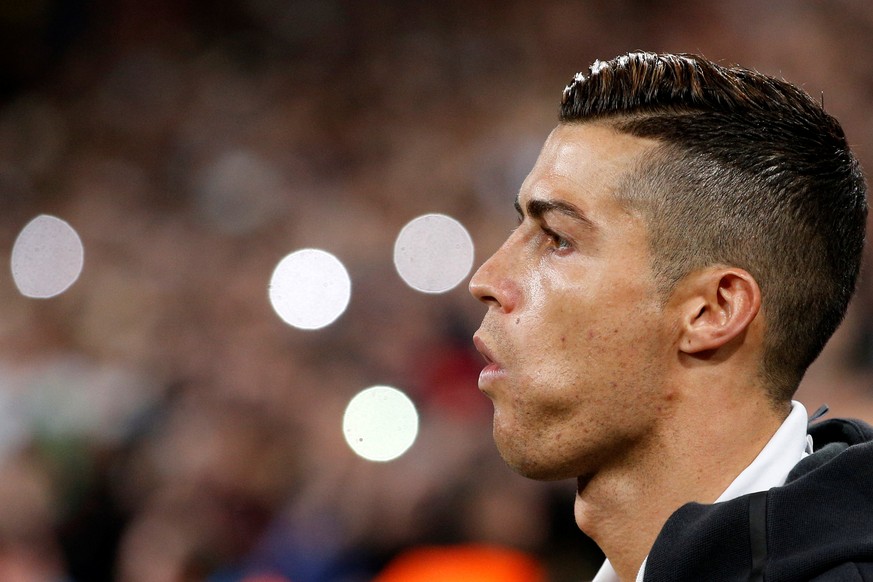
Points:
[[575, 335]]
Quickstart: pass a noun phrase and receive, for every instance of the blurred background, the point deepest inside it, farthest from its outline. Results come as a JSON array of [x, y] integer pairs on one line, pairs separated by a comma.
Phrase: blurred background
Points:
[[158, 420]]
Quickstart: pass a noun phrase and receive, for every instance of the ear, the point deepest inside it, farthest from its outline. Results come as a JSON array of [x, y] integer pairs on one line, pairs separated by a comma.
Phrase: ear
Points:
[[720, 305]]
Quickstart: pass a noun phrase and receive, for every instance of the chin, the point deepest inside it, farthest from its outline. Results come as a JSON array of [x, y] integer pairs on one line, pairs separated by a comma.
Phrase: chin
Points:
[[533, 468]]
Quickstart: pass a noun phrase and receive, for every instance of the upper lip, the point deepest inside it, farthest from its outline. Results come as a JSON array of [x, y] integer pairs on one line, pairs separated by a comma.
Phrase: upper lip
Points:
[[482, 348]]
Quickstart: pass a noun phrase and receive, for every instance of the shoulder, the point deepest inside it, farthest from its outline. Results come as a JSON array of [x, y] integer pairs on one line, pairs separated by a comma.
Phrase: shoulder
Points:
[[817, 526], [848, 572]]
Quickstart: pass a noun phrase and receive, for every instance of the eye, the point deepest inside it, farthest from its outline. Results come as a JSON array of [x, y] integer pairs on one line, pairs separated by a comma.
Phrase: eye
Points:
[[558, 242]]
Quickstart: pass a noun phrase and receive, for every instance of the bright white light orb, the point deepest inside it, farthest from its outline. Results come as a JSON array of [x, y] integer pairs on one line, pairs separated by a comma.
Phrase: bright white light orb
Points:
[[380, 423], [433, 253], [47, 257], [310, 289]]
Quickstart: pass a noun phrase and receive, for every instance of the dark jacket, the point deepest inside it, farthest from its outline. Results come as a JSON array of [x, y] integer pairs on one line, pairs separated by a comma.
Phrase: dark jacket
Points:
[[818, 526]]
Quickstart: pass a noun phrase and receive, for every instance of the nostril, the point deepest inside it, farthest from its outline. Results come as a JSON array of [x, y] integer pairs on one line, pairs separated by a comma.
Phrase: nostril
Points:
[[489, 299], [483, 293], [498, 297]]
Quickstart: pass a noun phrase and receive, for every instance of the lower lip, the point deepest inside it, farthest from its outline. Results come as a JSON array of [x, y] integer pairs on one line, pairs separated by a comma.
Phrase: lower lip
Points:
[[489, 374]]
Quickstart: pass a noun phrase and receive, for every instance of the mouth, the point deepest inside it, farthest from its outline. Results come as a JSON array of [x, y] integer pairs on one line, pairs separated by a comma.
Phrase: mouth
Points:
[[482, 348], [492, 370], [485, 351]]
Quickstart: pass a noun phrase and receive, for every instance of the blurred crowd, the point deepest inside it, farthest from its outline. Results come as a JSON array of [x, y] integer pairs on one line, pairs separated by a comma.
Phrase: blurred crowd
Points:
[[158, 421]]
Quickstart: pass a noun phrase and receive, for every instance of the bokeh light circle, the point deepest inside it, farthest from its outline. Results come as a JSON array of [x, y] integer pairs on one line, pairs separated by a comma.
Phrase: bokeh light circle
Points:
[[47, 257], [433, 253], [380, 423], [310, 289]]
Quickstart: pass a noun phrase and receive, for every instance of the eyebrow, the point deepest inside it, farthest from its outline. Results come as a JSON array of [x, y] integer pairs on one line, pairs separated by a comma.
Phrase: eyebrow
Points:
[[537, 208]]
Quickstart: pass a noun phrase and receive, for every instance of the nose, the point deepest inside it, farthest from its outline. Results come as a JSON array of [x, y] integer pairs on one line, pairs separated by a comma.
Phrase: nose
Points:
[[493, 284]]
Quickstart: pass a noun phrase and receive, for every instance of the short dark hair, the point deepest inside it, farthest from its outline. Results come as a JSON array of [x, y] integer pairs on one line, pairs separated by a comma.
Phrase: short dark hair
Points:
[[749, 172]]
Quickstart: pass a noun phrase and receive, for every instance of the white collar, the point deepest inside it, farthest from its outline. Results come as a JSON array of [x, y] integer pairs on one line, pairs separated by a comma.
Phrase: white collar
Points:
[[788, 445]]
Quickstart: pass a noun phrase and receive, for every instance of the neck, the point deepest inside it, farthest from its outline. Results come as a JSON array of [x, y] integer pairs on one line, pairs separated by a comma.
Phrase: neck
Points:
[[694, 456]]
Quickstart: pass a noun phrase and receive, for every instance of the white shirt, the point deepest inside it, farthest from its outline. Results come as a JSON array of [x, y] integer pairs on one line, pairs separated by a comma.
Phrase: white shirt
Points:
[[770, 469]]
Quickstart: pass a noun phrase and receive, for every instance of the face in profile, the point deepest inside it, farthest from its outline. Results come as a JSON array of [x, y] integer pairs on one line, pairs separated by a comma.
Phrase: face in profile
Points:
[[575, 336]]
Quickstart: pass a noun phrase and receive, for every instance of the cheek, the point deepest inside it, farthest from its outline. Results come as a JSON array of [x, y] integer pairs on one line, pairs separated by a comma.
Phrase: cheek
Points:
[[535, 289], [584, 362], [551, 395]]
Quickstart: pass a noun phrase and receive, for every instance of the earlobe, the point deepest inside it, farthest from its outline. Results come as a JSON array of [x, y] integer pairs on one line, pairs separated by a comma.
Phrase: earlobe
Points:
[[720, 308]]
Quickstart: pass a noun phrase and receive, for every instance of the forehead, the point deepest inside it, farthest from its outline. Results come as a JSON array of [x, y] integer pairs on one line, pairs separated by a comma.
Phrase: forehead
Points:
[[583, 162]]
